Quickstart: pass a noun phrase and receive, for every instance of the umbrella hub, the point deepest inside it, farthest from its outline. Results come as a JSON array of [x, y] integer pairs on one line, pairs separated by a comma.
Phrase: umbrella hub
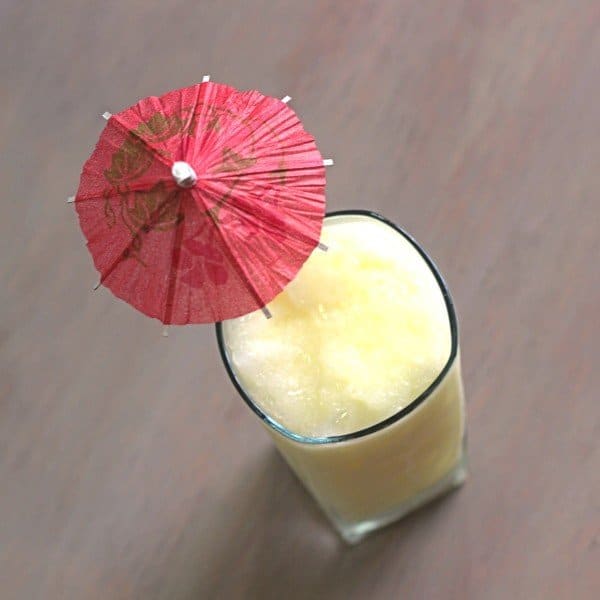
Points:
[[183, 174]]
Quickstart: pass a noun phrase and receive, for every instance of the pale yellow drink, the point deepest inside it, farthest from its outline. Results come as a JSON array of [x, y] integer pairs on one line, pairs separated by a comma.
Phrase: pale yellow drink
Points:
[[341, 372]]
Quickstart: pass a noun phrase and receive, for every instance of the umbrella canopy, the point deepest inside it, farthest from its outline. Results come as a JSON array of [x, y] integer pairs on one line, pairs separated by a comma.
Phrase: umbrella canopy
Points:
[[202, 204]]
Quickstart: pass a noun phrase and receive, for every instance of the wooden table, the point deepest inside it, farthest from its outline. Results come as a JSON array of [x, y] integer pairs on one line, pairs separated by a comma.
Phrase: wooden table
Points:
[[128, 466]]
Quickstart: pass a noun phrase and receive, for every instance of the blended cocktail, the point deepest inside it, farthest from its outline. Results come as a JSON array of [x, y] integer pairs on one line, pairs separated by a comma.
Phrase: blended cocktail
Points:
[[357, 374]]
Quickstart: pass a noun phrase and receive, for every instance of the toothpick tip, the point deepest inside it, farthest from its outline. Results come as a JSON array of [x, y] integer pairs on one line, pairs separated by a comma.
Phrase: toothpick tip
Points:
[[165, 331], [286, 99], [205, 78], [96, 285], [106, 115], [71, 199], [266, 312], [328, 162]]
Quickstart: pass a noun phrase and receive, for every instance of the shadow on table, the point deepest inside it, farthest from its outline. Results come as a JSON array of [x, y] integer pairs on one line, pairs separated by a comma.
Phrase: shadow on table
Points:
[[275, 543]]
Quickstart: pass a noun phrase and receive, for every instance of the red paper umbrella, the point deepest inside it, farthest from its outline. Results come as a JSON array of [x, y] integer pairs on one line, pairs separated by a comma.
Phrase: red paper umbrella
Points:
[[202, 204]]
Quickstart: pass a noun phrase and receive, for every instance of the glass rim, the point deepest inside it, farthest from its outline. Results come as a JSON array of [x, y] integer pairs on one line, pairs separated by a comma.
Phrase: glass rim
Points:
[[397, 416]]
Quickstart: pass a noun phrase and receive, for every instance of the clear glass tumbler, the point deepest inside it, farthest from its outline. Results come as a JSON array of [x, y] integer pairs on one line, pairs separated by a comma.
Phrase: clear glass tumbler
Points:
[[366, 479]]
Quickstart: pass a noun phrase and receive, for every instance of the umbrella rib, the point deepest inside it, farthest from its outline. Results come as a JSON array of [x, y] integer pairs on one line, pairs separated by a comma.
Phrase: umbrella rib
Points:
[[247, 215], [230, 174], [115, 193], [135, 134], [115, 263], [238, 267], [185, 141], [233, 261], [168, 312]]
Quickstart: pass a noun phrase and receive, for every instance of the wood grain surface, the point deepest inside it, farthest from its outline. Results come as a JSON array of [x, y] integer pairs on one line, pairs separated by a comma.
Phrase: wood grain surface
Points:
[[129, 468]]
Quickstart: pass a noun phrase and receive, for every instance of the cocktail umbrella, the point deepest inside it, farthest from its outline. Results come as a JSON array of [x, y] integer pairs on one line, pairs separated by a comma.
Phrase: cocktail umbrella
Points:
[[202, 204]]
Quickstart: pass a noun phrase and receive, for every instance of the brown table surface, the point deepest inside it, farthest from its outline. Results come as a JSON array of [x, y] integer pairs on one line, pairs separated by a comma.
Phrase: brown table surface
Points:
[[129, 468]]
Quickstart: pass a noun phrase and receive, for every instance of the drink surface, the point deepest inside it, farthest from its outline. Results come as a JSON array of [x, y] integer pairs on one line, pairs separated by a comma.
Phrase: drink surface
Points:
[[359, 333]]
